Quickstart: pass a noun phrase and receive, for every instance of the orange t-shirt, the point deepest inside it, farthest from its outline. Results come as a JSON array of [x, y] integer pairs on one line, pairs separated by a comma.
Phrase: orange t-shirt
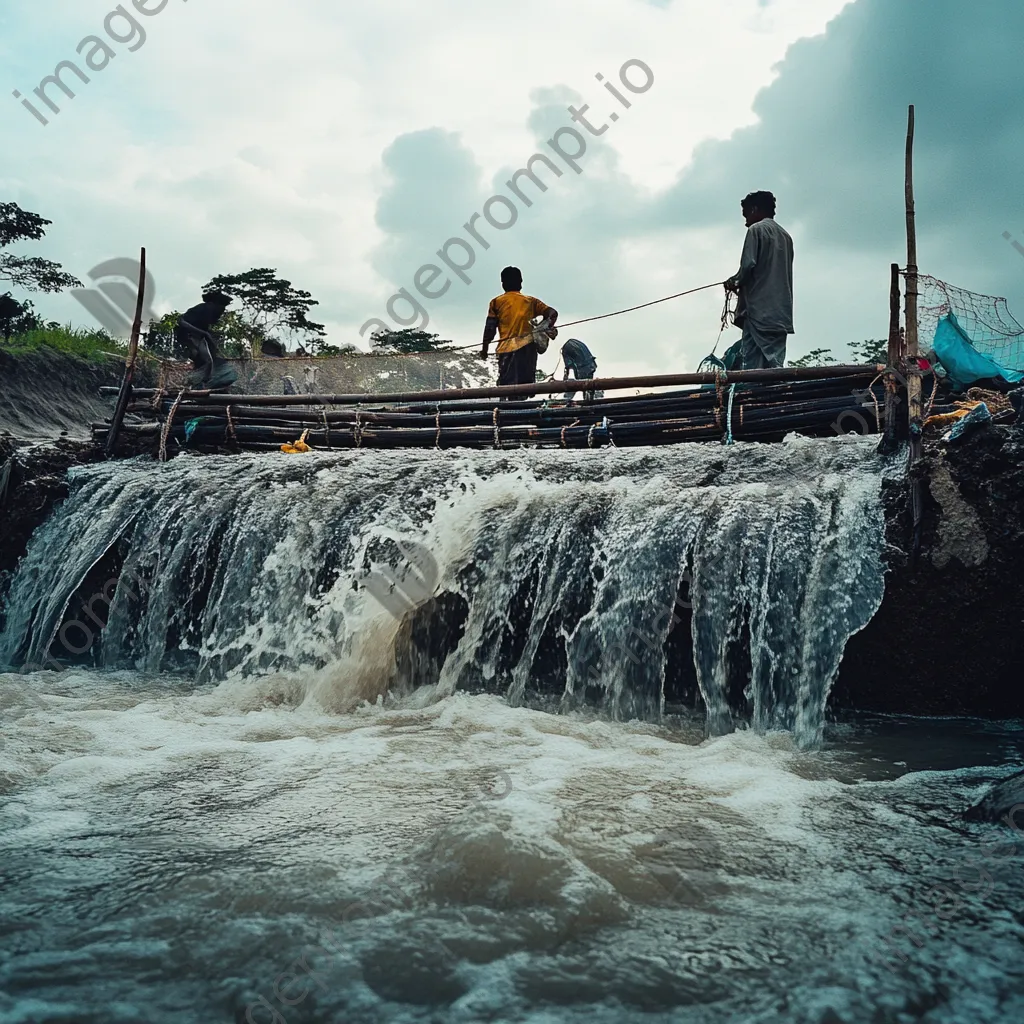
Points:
[[514, 312]]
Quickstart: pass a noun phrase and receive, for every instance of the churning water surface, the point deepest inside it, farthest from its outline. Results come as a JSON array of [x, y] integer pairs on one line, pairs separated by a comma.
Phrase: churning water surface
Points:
[[278, 796], [171, 855]]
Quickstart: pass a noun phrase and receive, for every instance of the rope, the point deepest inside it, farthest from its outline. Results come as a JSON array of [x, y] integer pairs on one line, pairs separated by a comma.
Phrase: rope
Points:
[[575, 423], [728, 433], [721, 379], [497, 432], [159, 396], [165, 432], [874, 398], [557, 365], [605, 316], [327, 427], [231, 427], [726, 314], [357, 431], [590, 435], [437, 440]]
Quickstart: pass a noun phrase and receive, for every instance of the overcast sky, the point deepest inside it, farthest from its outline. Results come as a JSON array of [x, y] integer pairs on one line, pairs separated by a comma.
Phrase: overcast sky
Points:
[[344, 144]]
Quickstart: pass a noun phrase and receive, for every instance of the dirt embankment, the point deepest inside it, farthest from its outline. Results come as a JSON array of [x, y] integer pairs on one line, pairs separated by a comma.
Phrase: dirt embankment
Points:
[[949, 637], [44, 393]]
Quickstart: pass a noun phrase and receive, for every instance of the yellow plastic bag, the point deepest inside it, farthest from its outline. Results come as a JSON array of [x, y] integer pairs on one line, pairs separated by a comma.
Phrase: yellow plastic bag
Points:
[[297, 447]]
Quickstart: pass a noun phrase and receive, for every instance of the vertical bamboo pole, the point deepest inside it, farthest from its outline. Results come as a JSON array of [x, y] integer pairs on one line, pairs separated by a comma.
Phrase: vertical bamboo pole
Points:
[[129, 365], [896, 361], [913, 351]]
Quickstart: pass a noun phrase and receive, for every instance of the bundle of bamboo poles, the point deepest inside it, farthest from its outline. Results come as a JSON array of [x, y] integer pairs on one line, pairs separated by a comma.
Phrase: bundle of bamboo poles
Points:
[[754, 405]]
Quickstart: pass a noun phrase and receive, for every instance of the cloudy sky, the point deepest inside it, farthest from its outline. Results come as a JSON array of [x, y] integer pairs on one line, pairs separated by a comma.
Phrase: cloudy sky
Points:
[[344, 144]]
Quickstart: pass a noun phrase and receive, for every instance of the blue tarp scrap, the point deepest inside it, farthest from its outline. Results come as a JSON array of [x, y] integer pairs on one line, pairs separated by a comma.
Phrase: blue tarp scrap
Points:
[[961, 360]]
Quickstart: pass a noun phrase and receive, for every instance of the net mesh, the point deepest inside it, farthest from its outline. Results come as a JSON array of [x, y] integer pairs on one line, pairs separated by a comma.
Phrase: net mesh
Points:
[[985, 319], [363, 373]]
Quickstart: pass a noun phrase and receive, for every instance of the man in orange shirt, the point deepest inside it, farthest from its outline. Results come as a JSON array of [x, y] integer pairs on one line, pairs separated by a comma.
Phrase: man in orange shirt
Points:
[[511, 316]]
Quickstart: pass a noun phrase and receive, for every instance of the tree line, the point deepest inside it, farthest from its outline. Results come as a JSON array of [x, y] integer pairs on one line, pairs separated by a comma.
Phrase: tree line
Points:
[[269, 315]]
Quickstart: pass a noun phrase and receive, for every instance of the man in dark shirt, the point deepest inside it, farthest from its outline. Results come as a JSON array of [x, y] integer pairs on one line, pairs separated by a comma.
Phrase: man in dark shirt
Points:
[[193, 334], [580, 360], [764, 283]]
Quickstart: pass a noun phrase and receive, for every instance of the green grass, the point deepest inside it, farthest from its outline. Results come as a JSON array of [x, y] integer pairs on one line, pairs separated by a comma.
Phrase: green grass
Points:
[[76, 341]]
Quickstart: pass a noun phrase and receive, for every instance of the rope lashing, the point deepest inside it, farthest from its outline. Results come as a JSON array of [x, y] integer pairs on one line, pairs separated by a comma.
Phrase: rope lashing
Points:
[[230, 432], [931, 400], [327, 427], [165, 433], [728, 433], [721, 379], [575, 423], [497, 431], [357, 431], [159, 396], [437, 439], [874, 398]]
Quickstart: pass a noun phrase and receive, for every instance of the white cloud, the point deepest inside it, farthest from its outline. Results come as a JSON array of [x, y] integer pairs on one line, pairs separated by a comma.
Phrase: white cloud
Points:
[[249, 133]]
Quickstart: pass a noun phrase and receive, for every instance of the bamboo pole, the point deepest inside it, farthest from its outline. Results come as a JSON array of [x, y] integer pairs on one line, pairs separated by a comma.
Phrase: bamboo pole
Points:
[[776, 375], [482, 412], [129, 367], [912, 345], [913, 352], [663, 427]]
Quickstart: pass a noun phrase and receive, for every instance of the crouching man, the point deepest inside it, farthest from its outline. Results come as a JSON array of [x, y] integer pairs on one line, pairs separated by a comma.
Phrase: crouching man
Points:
[[580, 360], [193, 333]]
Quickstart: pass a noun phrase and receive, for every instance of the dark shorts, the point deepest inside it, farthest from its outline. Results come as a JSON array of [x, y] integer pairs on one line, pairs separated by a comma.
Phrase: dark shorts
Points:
[[519, 367]]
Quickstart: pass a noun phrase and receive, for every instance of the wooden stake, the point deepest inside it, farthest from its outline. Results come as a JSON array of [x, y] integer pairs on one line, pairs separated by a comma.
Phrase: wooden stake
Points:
[[896, 358], [913, 351], [129, 366]]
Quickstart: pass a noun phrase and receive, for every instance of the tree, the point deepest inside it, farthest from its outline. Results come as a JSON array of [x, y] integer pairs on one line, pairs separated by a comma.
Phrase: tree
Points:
[[269, 305], [876, 351], [409, 341], [816, 357], [16, 317], [28, 272], [160, 339]]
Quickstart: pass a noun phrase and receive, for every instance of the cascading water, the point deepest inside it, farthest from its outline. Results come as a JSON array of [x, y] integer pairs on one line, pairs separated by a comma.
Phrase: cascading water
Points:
[[508, 572]]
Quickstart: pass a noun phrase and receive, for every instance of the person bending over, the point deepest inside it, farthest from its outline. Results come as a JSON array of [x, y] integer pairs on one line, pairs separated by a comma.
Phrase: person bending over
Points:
[[580, 360], [211, 371], [764, 284], [511, 317]]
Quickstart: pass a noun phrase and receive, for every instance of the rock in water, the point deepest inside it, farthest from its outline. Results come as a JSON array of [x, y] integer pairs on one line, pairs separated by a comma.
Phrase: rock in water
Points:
[[1005, 797]]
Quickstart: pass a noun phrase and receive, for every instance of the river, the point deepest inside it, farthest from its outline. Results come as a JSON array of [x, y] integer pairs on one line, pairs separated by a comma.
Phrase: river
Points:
[[292, 777]]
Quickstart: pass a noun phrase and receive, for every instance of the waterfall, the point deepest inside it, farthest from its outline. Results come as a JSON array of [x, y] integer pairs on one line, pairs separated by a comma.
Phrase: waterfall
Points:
[[525, 572]]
